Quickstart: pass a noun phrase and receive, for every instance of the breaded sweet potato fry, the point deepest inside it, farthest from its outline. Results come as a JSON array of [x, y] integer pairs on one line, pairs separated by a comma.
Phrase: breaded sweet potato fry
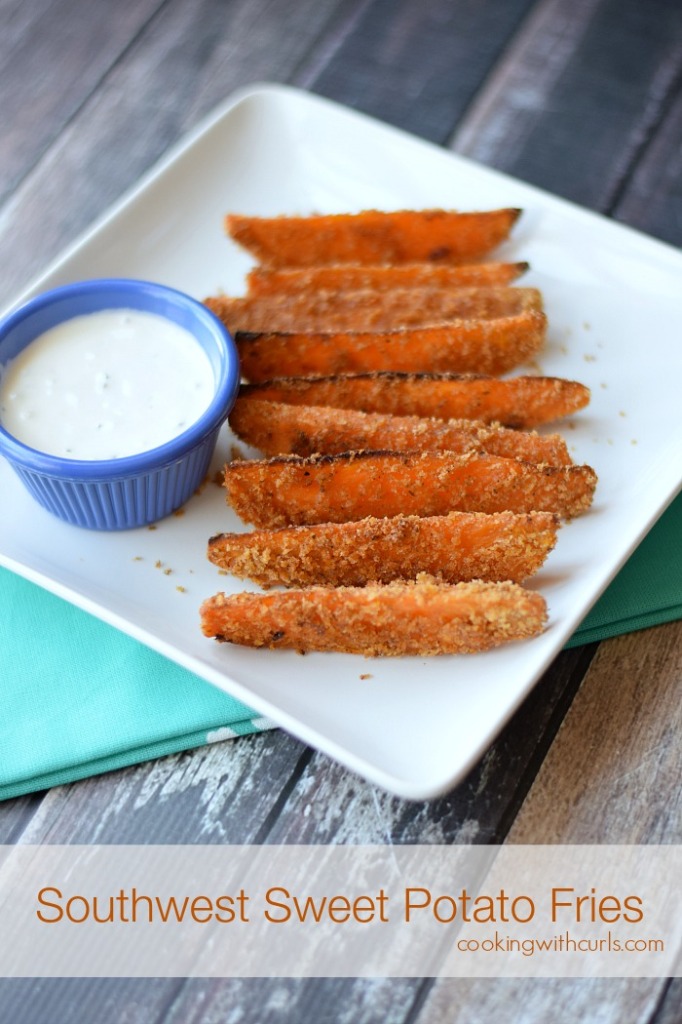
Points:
[[369, 310], [455, 547], [290, 490], [516, 402], [421, 618], [380, 277], [372, 236], [457, 346], [277, 428]]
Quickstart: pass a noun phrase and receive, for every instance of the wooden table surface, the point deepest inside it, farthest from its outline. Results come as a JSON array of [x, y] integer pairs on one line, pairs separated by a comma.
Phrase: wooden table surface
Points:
[[580, 98]]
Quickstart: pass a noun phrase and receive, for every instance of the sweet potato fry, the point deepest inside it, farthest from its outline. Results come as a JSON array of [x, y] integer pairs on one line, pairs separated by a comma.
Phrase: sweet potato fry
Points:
[[277, 428], [373, 236], [380, 277], [457, 346], [421, 618], [455, 547], [369, 310], [290, 490], [516, 402]]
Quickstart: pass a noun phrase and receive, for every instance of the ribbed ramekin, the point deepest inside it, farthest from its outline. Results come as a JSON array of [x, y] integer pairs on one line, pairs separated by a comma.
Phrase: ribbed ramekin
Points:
[[117, 494]]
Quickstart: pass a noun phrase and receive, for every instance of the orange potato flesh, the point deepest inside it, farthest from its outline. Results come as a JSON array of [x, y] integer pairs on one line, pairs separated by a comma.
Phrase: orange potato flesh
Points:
[[369, 310], [455, 547], [373, 236], [290, 490], [458, 346], [516, 402], [278, 428], [380, 277], [422, 618]]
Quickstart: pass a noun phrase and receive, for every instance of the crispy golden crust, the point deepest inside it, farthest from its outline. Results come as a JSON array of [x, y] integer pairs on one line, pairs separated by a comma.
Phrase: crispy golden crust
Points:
[[515, 402], [456, 346], [381, 277], [370, 310], [289, 490], [279, 428], [423, 618], [372, 236], [459, 546]]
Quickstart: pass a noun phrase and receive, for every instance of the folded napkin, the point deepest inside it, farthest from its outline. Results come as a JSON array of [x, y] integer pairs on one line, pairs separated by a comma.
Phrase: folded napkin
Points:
[[648, 589], [80, 698]]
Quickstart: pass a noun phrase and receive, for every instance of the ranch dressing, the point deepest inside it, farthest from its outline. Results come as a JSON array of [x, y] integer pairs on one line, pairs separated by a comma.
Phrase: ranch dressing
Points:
[[105, 385]]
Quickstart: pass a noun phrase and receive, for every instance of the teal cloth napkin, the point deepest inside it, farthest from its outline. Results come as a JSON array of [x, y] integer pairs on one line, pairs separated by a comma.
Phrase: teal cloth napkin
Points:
[[80, 698]]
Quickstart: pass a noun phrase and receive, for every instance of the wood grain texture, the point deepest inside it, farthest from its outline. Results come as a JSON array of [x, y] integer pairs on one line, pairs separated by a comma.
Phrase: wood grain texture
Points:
[[284, 1001], [538, 1001], [651, 199], [196, 1001], [99, 1000], [583, 99], [576, 98], [613, 773], [15, 815], [417, 66], [668, 1009], [221, 793], [41, 94], [187, 58], [330, 805]]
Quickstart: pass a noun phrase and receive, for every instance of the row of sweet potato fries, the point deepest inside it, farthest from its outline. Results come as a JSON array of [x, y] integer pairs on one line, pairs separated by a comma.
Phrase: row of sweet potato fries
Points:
[[405, 495]]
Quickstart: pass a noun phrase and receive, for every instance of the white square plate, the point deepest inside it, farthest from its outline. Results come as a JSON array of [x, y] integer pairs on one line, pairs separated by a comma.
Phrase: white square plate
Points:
[[614, 303]]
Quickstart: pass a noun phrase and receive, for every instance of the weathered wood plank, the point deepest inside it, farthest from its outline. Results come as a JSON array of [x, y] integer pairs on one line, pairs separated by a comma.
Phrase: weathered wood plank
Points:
[[53, 55], [417, 66], [537, 1001], [75, 1001], [577, 96], [652, 197], [176, 69], [668, 1009], [196, 1001], [611, 776], [613, 773], [218, 794], [329, 805], [282, 1001], [15, 816]]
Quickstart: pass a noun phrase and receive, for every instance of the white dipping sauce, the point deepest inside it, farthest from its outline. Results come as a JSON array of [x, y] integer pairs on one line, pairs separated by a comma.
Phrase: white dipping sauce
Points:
[[106, 385]]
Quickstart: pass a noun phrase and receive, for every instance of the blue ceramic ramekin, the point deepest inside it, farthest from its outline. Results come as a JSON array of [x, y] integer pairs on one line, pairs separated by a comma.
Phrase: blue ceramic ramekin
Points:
[[135, 490]]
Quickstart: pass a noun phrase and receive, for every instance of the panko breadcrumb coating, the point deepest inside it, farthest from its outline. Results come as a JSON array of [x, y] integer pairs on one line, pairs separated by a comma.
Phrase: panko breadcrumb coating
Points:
[[372, 236], [520, 402], [456, 547], [289, 490], [278, 428], [451, 346], [422, 618], [381, 277], [370, 310]]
